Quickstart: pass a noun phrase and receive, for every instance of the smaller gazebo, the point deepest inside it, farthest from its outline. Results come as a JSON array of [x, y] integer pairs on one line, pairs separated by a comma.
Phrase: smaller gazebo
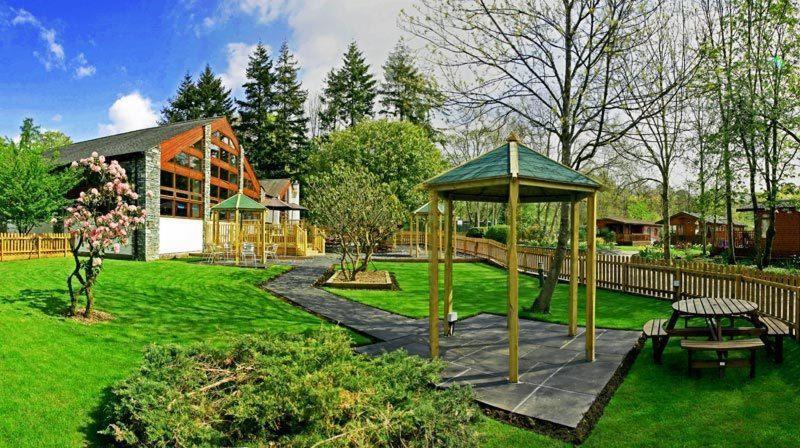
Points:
[[249, 221], [513, 174], [422, 212]]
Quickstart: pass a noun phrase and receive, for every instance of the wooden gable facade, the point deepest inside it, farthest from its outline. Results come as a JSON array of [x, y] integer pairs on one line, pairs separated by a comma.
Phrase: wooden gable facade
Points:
[[787, 228]]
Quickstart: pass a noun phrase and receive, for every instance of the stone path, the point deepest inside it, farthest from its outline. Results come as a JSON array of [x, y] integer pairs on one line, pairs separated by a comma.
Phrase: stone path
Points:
[[556, 384]]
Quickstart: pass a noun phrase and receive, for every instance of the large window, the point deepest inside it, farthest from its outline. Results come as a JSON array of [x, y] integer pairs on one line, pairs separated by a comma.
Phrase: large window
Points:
[[181, 196]]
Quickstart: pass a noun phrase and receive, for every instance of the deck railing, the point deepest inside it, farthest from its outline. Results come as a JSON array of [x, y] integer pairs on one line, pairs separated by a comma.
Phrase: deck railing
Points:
[[14, 246], [777, 295], [294, 238]]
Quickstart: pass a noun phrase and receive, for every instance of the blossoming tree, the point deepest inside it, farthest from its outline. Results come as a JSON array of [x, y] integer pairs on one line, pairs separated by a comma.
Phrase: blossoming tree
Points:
[[101, 218]]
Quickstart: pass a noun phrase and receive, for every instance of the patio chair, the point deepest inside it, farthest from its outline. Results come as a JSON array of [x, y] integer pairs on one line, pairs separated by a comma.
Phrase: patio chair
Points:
[[249, 251], [271, 251], [211, 253]]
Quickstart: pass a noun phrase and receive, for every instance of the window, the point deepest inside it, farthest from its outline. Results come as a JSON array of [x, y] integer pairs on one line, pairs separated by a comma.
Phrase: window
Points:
[[181, 196]]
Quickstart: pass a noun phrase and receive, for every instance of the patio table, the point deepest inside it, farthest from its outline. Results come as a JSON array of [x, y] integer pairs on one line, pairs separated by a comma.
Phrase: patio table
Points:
[[713, 311]]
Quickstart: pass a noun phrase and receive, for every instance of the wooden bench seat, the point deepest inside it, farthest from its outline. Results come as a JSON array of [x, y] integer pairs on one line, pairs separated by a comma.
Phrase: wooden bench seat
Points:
[[654, 328], [722, 348], [776, 331]]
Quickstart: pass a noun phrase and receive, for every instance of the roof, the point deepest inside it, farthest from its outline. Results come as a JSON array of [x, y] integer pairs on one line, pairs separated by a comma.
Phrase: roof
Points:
[[711, 219], [486, 178], [274, 203], [128, 142], [426, 208], [238, 202], [275, 187], [780, 204], [627, 221]]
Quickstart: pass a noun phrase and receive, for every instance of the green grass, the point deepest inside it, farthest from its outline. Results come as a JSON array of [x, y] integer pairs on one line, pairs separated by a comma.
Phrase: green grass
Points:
[[657, 405], [480, 288], [53, 372]]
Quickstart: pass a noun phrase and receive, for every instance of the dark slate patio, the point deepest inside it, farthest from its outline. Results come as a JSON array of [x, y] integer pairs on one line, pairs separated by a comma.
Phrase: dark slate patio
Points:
[[556, 384]]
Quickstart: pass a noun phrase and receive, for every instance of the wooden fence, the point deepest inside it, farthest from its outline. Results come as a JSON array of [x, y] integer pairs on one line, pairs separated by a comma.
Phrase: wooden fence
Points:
[[14, 246], [777, 295], [294, 239]]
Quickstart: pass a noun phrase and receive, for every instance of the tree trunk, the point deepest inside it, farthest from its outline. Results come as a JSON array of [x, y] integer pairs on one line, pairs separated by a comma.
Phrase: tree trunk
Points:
[[667, 240], [542, 302], [770, 238], [758, 227]]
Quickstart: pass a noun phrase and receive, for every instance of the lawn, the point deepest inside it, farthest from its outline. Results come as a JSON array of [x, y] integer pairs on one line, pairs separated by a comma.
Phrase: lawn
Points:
[[479, 287], [656, 406], [53, 372]]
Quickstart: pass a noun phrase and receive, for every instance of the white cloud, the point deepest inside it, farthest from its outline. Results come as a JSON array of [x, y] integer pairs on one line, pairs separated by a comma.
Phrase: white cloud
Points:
[[56, 118], [84, 69], [238, 57], [53, 56], [129, 113]]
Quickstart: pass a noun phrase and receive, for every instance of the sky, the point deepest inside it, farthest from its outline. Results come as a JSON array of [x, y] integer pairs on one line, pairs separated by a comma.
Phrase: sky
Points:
[[99, 67]]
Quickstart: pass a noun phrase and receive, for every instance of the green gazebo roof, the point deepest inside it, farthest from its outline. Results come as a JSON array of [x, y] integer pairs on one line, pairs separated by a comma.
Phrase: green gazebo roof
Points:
[[238, 202], [486, 178], [426, 208]]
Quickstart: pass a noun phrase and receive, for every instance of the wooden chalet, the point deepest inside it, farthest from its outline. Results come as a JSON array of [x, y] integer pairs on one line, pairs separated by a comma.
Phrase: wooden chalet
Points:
[[787, 227], [630, 232], [686, 228]]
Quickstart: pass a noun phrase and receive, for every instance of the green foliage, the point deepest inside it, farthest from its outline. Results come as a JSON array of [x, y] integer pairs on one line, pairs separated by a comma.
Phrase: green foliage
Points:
[[607, 234], [288, 390], [273, 122], [32, 189], [204, 99], [407, 94], [349, 93], [475, 232], [497, 233], [400, 154]]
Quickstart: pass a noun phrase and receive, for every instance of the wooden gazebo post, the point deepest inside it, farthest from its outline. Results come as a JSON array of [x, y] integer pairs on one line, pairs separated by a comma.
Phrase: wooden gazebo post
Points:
[[591, 270], [513, 280], [574, 268], [433, 278], [448, 262]]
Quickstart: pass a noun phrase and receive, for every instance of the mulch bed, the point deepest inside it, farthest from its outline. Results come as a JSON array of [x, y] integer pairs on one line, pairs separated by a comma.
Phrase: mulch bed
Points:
[[97, 317], [364, 280]]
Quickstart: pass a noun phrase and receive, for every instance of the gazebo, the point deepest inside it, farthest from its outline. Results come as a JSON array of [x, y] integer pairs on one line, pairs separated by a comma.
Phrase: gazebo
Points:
[[422, 212], [250, 229], [513, 174]]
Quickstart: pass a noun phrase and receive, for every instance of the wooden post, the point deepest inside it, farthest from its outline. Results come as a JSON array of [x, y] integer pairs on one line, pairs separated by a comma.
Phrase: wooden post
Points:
[[416, 237], [574, 270], [238, 243], [448, 262], [433, 282], [513, 283], [38, 246], [591, 269]]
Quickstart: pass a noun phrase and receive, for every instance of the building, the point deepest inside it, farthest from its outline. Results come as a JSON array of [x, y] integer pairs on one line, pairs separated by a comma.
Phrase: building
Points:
[[632, 232], [787, 227], [685, 227], [285, 190], [179, 170]]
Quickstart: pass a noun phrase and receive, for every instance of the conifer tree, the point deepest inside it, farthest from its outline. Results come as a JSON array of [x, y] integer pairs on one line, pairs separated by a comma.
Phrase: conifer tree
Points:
[[290, 122], [214, 100], [349, 93], [255, 111], [183, 106], [407, 94]]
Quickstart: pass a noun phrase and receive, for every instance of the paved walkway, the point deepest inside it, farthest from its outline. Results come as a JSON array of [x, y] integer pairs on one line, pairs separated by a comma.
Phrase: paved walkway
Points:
[[556, 384]]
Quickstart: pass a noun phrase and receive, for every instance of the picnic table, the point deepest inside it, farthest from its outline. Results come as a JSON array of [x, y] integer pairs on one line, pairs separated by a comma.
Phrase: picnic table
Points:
[[713, 311]]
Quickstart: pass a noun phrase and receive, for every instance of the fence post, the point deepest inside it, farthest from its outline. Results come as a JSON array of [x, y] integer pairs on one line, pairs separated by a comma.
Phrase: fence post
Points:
[[540, 271], [38, 246], [796, 290], [676, 285], [625, 273]]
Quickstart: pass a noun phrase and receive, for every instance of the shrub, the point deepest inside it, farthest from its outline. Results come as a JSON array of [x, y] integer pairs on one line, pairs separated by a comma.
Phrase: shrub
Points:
[[288, 390], [607, 234], [475, 232], [498, 233]]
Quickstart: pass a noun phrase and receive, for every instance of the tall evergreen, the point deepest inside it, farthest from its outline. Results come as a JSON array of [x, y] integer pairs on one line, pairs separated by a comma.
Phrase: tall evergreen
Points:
[[407, 94], [349, 93], [290, 124], [256, 119], [214, 99], [204, 99], [184, 105]]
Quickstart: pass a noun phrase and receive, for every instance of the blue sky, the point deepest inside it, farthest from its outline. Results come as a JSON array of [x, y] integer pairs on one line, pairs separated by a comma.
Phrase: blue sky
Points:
[[90, 68]]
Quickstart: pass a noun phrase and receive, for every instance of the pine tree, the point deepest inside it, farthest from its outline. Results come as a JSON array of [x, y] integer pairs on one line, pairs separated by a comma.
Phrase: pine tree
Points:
[[184, 105], [349, 93], [407, 94], [255, 126], [213, 99], [291, 143]]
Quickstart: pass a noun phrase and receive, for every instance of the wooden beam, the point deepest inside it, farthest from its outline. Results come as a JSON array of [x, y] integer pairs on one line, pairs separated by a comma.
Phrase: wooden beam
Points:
[[448, 262], [433, 279], [513, 283], [591, 271], [574, 270]]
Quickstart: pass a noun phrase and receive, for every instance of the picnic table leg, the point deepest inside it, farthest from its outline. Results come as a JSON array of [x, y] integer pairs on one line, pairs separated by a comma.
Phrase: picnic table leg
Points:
[[659, 344]]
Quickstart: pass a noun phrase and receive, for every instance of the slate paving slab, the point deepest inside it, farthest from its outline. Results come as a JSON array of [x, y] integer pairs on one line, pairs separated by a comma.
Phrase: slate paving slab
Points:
[[556, 384]]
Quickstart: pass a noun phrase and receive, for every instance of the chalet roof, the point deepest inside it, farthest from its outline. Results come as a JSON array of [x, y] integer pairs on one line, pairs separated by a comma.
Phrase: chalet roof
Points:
[[627, 221], [275, 187], [128, 142], [274, 203], [238, 202], [781, 204], [709, 219]]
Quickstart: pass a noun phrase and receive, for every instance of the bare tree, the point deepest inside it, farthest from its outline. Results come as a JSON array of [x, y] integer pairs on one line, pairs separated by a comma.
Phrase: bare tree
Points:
[[551, 64]]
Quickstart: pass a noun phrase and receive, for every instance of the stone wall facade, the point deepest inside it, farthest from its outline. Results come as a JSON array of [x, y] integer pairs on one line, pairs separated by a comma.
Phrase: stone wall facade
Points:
[[145, 173]]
